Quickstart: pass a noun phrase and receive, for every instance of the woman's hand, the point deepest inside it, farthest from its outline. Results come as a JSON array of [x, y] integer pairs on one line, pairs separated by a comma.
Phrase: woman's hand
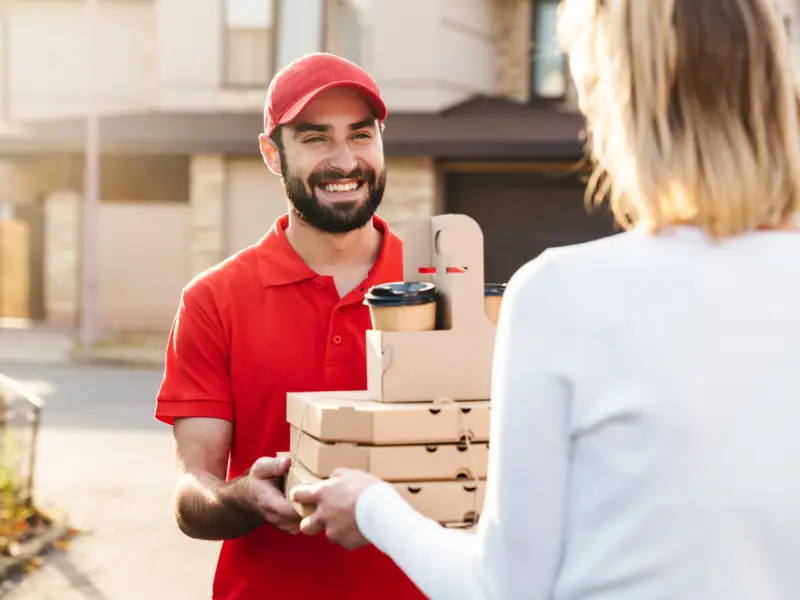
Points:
[[335, 500]]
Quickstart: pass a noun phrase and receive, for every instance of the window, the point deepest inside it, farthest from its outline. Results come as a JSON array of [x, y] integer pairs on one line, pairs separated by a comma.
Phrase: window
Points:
[[301, 27], [262, 36], [345, 29], [144, 178], [249, 42], [549, 77]]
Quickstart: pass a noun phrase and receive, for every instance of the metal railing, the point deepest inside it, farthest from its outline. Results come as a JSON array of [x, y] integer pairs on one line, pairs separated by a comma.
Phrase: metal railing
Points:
[[20, 416]]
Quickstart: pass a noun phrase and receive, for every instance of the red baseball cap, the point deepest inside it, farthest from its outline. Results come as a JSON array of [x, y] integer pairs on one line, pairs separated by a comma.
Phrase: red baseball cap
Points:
[[302, 80]]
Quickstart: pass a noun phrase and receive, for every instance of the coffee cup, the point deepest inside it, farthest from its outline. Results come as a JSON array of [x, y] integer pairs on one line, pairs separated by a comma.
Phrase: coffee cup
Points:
[[402, 306], [492, 299]]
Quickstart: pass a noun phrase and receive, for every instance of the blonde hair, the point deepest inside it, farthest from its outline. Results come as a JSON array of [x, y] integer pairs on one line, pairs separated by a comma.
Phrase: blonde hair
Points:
[[691, 108]]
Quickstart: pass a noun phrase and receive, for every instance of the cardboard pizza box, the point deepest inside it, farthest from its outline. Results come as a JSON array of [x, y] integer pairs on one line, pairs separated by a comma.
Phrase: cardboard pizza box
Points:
[[448, 502], [428, 462], [352, 417]]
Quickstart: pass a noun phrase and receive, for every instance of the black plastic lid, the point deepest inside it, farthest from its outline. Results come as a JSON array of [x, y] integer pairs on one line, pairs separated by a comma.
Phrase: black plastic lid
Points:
[[494, 289], [400, 293]]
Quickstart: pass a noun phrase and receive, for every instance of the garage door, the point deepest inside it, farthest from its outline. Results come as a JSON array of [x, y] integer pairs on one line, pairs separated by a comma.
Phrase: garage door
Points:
[[523, 214]]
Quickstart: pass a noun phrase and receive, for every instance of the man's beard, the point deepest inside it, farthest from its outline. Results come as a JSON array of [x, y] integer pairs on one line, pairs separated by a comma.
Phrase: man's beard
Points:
[[341, 217]]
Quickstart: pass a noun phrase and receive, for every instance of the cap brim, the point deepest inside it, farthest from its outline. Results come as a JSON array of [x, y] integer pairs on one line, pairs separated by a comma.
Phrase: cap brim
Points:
[[372, 98]]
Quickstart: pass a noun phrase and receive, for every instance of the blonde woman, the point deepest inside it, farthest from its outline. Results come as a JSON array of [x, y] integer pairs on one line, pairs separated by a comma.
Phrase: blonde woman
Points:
[[646, 387]]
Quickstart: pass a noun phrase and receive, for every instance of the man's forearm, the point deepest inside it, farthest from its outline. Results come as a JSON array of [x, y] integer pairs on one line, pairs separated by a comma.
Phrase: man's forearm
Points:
[[210, 509]]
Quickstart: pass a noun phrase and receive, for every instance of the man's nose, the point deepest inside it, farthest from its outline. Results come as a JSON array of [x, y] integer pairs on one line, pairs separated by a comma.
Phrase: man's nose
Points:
[[343, 159]]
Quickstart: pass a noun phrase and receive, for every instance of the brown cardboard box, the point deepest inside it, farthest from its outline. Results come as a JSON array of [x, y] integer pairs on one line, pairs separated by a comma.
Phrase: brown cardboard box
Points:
[[448, 502], [454, 361], [423, 422], [392, 463], [352, 417]]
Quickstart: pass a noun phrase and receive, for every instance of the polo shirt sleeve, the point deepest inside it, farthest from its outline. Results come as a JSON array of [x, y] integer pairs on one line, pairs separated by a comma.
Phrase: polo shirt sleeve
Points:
[[196, 381]]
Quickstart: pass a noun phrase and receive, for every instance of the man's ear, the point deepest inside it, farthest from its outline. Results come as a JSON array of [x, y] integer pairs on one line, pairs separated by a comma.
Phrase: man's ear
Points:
[[270, 153]]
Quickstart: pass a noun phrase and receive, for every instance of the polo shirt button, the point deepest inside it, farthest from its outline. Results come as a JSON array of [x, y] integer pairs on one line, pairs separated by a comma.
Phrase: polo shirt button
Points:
[[338, 311], [337, 339], [320, 285]]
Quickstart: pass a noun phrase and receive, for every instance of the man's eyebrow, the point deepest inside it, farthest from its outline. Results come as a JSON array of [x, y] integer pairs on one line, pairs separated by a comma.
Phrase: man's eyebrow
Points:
[[303, 127], [362, 124]]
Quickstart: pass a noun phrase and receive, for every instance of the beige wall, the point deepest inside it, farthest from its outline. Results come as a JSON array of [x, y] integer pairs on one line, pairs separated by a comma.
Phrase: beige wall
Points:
[[411, 192], [189, 53], [191, 57], [143, 254], [25, 179], [143, 264], [154, 56], [452, 57], [207, 204], [149, 250], [48, 56], [430, 54], [255, 199], [62, 255], [15, 186], [425, 54]]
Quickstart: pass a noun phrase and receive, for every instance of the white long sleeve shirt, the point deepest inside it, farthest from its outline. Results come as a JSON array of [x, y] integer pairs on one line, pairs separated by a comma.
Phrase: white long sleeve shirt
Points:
[[644, 435]]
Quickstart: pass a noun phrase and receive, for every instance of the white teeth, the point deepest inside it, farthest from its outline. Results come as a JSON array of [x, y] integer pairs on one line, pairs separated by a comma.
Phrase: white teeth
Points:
[[340, 187]]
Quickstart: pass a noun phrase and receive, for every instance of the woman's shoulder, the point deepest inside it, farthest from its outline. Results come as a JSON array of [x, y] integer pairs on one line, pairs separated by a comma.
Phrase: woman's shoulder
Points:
[[587, 260], [593, 280]]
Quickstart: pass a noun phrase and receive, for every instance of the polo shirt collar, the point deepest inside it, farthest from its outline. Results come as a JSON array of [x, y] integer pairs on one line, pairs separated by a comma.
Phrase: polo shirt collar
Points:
[[279, 264]]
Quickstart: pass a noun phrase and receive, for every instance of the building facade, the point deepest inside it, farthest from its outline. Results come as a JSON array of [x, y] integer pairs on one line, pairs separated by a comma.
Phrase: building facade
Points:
[[482, 122]]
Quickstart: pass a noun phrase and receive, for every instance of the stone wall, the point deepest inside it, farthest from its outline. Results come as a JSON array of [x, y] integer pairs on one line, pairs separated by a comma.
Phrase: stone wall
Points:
[[62, 257], [207, 199], [513, 47], [411, 191]]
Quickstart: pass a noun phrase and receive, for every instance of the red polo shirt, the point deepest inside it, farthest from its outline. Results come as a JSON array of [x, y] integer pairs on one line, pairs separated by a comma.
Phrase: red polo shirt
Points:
[[248, 331]]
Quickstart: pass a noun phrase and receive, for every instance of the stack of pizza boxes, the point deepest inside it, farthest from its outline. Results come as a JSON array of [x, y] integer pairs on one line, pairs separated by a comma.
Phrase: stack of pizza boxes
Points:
[[422, 424]]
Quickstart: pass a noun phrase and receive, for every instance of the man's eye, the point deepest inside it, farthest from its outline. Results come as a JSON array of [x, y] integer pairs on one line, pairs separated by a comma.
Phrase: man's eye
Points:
[[362, 136], [313, 140]]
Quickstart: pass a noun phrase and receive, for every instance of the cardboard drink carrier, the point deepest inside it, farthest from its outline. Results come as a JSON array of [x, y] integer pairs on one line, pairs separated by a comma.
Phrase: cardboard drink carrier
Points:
[[422, 424]]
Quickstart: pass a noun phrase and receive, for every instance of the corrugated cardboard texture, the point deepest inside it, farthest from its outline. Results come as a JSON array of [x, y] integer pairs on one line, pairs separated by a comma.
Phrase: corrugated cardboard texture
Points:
[[291, 480], [448, 502], [433, 462], [351, 417], [455, 362], [299, 475]]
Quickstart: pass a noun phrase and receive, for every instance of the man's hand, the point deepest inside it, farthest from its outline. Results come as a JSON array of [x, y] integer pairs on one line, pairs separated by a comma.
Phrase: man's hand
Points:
[[335, 501], [260, 492], [209, 508]]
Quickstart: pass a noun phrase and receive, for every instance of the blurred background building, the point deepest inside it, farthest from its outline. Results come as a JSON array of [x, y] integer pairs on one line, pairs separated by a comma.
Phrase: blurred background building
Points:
[[482, 122]]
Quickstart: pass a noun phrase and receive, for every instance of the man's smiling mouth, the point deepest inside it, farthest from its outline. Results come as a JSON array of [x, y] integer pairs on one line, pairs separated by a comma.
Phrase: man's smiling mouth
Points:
[[342, 185]]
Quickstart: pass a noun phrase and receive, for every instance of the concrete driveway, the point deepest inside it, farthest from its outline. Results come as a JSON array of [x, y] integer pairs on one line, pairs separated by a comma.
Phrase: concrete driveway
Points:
[[105, 460]]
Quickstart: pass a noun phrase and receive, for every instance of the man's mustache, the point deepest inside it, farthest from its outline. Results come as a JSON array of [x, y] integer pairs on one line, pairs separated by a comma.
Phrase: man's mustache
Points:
[[324, 176]]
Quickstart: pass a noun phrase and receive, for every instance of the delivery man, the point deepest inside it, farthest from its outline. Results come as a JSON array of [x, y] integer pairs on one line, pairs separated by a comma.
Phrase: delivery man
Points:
[[285, 315]]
